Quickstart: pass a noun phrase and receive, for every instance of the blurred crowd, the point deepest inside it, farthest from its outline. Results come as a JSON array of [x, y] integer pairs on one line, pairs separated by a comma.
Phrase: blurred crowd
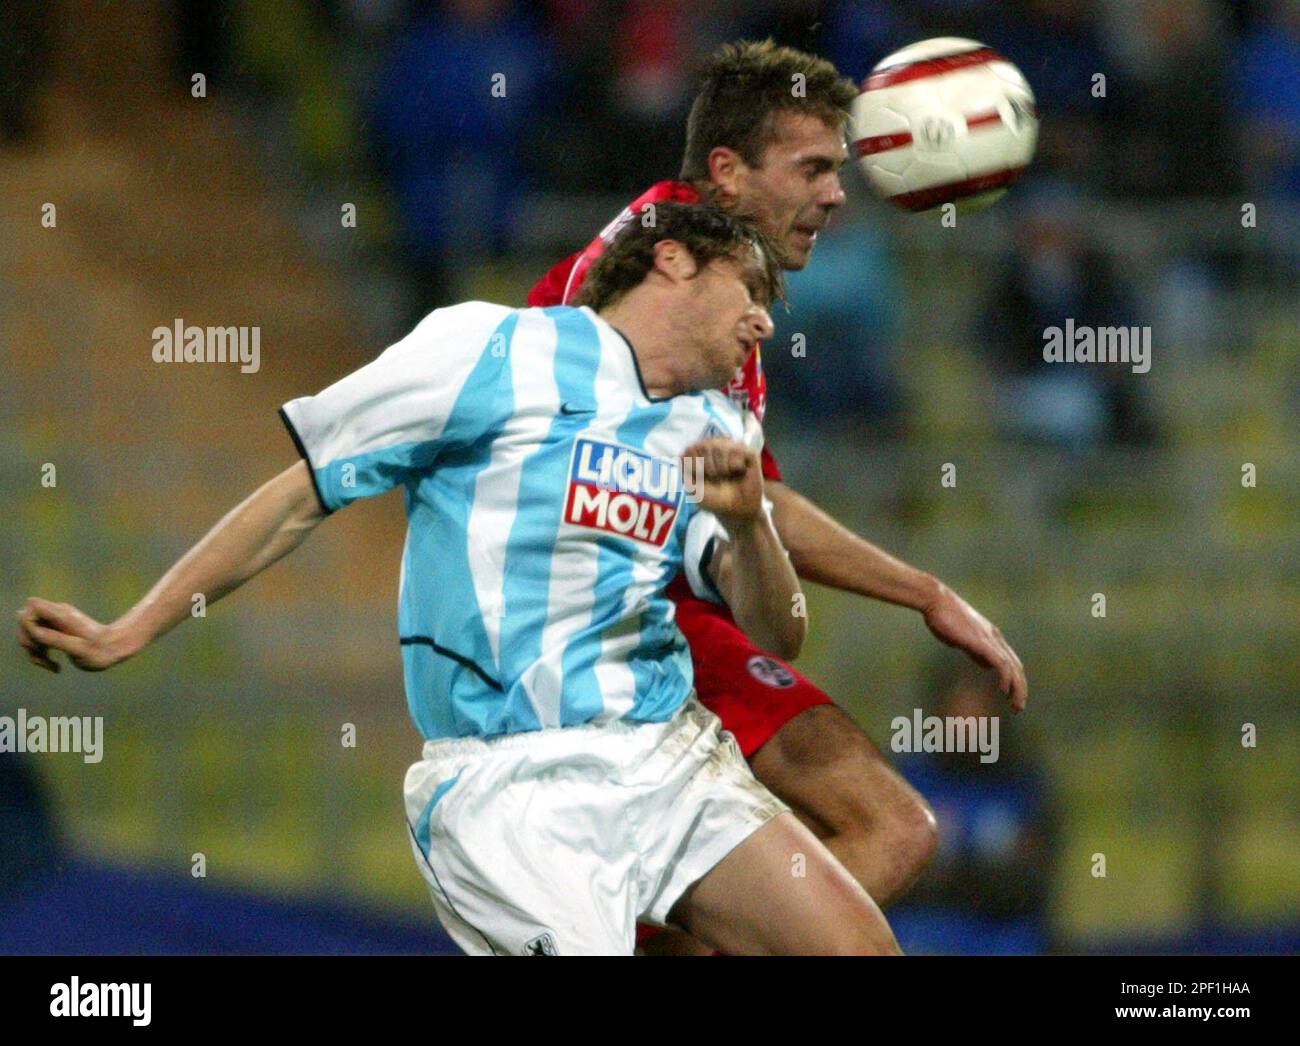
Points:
[[460, 112], [1198, 96], [1143, 101]]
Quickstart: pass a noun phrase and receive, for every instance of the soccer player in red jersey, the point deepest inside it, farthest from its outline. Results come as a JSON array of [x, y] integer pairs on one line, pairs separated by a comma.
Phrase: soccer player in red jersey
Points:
[[765, 139]]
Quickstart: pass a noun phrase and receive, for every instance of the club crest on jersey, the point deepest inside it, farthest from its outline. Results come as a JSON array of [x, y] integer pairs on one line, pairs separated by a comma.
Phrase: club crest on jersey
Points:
[[623, 491]]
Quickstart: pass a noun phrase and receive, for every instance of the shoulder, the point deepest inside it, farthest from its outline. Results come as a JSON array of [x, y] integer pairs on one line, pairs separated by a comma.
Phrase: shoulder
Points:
[[666, 191], [660, 192], [445, 346], [562, 282], [534, 331], [465, 316], [728, 418], [725, 413], [464, 329]]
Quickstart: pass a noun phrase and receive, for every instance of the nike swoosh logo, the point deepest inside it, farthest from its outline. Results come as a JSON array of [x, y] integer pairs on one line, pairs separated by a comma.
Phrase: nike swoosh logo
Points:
[[568, 408]]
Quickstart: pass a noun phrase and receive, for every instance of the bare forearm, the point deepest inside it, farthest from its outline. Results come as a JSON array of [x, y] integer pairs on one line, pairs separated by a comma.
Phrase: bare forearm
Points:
[[827, 553], [760, 586], [264, 527]]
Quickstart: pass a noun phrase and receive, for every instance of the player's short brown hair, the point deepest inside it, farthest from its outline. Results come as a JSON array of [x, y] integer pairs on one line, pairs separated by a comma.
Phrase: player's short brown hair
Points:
[[742, 88], [706, 231]]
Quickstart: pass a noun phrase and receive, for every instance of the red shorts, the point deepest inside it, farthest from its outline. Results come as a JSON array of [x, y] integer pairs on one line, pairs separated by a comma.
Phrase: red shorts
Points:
[[752, 692]]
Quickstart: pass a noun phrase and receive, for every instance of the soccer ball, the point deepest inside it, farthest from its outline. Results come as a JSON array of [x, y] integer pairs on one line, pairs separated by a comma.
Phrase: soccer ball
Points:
[[942, 121]]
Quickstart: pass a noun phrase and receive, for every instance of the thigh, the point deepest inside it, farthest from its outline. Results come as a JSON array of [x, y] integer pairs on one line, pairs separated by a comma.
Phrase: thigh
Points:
[[826, 767], [781, 892], [698, 802], [524, 865]]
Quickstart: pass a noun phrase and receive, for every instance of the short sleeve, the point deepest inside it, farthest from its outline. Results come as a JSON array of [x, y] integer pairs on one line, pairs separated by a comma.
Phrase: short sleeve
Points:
[[703, 533], [377, 427]]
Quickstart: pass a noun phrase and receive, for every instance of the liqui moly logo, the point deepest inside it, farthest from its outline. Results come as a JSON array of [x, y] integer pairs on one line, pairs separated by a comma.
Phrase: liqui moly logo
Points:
[[623, 491]]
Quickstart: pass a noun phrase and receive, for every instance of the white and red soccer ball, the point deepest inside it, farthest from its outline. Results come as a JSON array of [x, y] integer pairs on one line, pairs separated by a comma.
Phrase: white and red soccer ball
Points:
[[947, 120]]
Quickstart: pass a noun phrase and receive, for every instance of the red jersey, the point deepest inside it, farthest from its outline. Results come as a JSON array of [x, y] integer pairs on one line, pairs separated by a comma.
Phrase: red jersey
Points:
[[559, 287]]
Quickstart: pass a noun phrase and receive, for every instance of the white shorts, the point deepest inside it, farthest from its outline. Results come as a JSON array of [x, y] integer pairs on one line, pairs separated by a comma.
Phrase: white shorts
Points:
[[560, 841]]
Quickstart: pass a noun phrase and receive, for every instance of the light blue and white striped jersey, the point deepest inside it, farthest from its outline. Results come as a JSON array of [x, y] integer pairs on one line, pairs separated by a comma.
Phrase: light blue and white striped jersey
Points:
[[547, 514]]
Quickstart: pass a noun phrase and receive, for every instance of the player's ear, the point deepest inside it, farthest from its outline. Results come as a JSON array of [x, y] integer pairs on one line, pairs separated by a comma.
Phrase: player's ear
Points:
[[725, 169], [673, 260]]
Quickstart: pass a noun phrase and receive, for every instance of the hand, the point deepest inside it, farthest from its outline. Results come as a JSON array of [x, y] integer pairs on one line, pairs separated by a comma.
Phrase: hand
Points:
[[44, 626], [957, 623], [730, 478]]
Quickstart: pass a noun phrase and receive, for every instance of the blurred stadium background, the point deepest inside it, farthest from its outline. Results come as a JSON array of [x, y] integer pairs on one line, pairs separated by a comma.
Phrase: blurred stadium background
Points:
[[226, 209]]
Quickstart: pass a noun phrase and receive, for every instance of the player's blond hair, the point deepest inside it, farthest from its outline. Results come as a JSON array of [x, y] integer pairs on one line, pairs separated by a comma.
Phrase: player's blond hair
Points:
[[742, 88]]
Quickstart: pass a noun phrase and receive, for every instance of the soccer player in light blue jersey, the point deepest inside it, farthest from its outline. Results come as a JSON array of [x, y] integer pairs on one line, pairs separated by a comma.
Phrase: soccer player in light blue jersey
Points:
[[560, 467]]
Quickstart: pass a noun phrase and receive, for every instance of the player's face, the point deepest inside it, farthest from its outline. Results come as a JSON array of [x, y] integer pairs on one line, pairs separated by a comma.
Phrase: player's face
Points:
[[729, 316], [791, 196]]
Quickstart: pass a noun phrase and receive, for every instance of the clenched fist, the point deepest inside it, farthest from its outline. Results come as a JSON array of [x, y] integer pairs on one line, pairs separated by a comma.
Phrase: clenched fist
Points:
[[729, 478]]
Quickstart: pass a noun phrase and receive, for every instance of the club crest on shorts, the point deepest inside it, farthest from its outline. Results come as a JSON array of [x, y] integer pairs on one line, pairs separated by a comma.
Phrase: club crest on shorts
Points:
[[540, 945], [770, 672], [623, 491]]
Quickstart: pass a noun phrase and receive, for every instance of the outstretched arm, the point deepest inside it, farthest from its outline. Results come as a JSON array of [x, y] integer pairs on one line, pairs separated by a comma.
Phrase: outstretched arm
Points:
[[825, 552], [270, 523]]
